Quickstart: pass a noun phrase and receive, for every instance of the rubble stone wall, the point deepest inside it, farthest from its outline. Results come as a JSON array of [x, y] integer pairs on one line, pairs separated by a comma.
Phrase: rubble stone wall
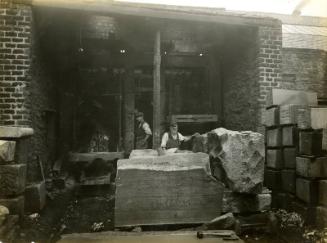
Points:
[[15, 63], [305, 69]]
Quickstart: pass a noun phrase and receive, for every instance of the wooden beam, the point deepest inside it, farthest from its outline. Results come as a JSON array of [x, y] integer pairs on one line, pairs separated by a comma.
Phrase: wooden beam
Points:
[[156, 91], [109, 7], [129, 108]]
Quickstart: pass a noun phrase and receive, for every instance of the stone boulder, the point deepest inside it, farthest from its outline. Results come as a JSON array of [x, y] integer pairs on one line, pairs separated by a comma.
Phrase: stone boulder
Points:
[[3, 214], [242, 156], [7, 151]]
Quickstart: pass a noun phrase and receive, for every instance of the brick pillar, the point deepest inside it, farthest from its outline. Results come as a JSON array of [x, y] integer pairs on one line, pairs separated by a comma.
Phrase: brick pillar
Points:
[[269, 63], [15, 63]]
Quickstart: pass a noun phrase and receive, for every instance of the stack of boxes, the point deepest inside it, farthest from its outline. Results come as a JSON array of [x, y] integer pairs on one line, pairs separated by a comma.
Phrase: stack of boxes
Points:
[[296, 167]]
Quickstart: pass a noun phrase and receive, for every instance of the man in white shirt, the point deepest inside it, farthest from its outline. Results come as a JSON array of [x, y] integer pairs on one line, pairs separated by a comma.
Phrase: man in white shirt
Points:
[[143, 132], [173, 138]]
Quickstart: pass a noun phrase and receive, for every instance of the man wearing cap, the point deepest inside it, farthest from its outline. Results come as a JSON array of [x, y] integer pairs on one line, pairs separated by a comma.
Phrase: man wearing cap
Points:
[[143, 132], [173, 138]]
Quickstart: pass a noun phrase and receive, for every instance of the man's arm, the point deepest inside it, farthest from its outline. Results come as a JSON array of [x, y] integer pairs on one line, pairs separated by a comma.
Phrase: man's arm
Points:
[[164, 140], [147, 131]]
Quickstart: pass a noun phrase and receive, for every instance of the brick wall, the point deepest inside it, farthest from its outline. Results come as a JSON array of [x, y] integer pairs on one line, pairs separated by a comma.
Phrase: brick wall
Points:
[[305, 69], [269, 63], [15, 43], [254, 70], [240, 89]]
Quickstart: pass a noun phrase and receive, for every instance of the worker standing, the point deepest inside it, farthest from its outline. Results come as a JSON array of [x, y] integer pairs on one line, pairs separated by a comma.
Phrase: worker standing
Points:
[[143, 132], [172, 138]]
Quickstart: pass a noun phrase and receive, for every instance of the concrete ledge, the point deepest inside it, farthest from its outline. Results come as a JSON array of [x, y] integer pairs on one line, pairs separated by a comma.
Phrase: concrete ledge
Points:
[[15, 132]]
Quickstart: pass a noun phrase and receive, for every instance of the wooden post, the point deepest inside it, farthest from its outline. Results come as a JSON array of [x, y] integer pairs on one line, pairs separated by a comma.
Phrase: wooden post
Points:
[[129, 107], [156, 91]]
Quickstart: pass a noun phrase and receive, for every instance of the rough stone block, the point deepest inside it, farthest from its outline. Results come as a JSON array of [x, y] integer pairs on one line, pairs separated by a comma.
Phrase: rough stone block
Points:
[[288, 180], [271, 117], [289, 158], [15, 132], [310, 142], [242, 156], [312, 117], [288, 114], [245, 203], [322, 200], [15, 205], [12, 179], [7, 151], [290, 136], [321, 218], [273, 179], [274, 158], [274, 137], [307, 190], [35, 197], [311, 167]]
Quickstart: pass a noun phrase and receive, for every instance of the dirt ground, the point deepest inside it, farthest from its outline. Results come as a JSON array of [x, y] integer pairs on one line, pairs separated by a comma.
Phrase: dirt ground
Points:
[[85, 210]]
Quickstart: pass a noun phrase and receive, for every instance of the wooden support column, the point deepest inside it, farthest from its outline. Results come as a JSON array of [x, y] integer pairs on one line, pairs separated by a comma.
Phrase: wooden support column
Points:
[[129, 108], [156, 91]]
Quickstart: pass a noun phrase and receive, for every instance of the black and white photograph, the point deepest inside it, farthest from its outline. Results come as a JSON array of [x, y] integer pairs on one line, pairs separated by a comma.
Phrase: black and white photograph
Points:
[[163, 121]]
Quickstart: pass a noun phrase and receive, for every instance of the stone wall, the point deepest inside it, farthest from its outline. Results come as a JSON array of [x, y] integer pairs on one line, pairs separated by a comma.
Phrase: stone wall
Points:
[[305, 69], [15, 63]]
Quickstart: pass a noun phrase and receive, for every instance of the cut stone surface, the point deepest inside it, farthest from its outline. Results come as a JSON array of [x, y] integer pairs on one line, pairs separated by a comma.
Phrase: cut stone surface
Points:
[[140, 153], [310, 142], [272, 117], [290, 136], [312, 117], [15, 132], [273, 179], [311, 167], [288, 180], [15, 205], [286, 96], [168, 189], [35, 197], [242, 155], [322, 192], [7, 151], [307, 190], [274, 158], [12, 179], [274, 137], [288, 114], [289, 158], [245, 203]]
